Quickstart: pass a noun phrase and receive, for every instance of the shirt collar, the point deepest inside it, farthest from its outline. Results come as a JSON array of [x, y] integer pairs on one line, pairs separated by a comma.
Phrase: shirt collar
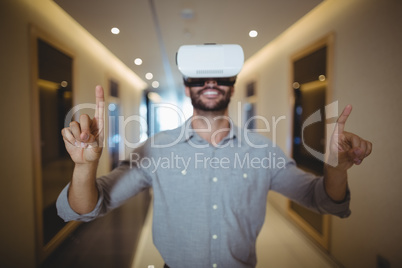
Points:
[[187, 132]]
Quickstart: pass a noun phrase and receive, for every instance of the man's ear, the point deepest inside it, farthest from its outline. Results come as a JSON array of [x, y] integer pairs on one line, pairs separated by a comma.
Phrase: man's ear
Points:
[[232, 91], [187, 91]]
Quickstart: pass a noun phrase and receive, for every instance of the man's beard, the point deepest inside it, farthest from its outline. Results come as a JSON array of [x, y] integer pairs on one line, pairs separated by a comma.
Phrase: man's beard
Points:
[[219, 106]]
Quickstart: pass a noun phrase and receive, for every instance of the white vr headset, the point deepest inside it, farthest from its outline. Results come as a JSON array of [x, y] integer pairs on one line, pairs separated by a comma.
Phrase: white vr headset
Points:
[[209, 61]]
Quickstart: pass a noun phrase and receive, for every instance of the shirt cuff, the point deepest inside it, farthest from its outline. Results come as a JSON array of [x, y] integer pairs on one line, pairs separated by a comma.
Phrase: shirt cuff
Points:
[[65, 211], [329, 206]]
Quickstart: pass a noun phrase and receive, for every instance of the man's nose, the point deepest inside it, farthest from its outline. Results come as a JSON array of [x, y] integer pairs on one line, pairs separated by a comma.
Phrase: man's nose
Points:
[[211, 82]]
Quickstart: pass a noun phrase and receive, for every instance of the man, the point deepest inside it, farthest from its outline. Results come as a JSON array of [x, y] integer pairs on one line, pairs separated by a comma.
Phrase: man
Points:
[[210, 179]]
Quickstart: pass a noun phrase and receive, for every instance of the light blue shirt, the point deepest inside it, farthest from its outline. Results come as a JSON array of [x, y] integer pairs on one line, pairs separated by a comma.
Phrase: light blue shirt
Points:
[[209, 202]]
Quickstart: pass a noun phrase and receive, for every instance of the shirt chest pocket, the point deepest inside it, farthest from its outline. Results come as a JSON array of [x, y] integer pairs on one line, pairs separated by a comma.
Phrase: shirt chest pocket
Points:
[[243, 188]]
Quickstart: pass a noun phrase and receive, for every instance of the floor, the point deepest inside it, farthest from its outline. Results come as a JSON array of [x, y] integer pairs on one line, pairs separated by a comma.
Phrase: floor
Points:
[[279, 245]]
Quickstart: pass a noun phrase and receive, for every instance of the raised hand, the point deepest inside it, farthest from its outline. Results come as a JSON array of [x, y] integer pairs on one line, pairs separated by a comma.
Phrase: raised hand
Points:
[[84, 140], [347, 149]]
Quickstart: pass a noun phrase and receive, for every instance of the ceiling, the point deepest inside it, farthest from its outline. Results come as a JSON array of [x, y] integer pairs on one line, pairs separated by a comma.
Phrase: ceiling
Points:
[[153, 30]]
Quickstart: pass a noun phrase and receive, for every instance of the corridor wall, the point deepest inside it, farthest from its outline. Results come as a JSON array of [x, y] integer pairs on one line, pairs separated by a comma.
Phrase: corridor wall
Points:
[[93, 65], [366, 74]]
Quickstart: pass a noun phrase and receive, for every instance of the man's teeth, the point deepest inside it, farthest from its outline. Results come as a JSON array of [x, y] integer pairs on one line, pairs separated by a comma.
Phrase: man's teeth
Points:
[[210, 93]]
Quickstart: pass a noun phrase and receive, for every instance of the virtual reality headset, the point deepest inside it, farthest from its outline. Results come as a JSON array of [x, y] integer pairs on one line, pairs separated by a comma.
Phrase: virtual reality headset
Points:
[[199, 62]]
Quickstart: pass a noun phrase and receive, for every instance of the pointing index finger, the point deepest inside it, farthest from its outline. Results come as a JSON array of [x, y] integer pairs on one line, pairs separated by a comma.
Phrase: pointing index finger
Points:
[[100, 108], [343, 117]]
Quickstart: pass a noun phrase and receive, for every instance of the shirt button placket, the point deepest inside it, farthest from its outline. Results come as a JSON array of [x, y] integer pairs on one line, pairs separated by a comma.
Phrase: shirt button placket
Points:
[[215, 219]]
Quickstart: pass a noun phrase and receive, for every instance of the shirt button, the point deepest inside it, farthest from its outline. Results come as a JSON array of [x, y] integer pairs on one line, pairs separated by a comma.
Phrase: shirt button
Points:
[[245, 175], [214, 265], [214, 179], [214, 236], [215, 207], [184, 172]]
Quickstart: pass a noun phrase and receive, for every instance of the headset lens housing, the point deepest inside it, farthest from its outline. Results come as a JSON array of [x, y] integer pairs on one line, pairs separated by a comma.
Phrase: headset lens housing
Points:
[[200, 82]]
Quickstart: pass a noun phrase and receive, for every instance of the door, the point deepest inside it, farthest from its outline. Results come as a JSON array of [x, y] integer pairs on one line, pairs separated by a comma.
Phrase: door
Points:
[[311, 84]]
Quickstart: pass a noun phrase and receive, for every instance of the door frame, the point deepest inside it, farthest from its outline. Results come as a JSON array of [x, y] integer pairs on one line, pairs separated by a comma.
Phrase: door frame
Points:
[[323, 239], [42, 250]]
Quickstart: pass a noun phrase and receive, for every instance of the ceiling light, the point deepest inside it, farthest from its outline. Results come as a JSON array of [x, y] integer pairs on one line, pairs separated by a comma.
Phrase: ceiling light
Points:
[[138, 61], [253, 33], [112, 107], [149, 76], [115, 30], [155, 84], [187, 13]]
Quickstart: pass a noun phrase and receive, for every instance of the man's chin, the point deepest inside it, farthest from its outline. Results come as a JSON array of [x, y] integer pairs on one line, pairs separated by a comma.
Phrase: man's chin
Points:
[[210, 105], [211, 108]]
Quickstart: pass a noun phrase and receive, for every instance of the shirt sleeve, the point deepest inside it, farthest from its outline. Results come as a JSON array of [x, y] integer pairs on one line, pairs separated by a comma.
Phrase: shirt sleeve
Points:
[[306, 189], [114, 189]]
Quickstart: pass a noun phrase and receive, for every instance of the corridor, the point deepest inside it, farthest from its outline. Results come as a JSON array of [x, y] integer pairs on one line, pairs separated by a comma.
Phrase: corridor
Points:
[[54, 55]]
